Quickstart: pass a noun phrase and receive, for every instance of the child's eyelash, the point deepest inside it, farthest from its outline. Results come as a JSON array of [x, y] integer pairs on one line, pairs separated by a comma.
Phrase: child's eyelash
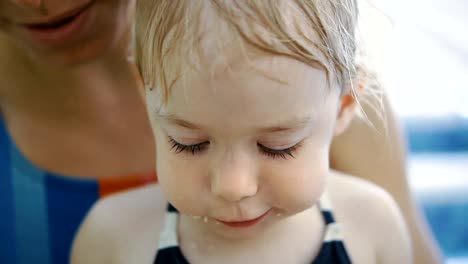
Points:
[[197, 148], [192, 149], [278, 153]]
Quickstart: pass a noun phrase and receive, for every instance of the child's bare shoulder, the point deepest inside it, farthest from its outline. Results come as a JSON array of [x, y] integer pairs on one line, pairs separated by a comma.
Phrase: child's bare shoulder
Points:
[[369, 213], [121, 228], [352, 193]]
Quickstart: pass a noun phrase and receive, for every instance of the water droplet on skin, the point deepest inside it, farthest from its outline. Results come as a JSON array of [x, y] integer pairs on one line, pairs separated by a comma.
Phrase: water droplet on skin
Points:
[[279, 214], [205, 219]]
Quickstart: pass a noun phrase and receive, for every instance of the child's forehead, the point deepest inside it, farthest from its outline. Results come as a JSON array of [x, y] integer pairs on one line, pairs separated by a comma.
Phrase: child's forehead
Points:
[[249, 78], [239, 67], [282, 86]]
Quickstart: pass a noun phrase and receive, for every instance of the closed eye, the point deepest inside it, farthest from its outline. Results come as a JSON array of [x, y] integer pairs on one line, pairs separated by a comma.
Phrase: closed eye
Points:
[[191, 149], [200, 147], [278, 153]]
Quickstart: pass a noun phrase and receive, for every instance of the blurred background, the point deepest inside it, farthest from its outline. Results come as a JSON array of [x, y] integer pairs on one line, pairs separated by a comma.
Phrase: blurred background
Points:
[[426, 62]]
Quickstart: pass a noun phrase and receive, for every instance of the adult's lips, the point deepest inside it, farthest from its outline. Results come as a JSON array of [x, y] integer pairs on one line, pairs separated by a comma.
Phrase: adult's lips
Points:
[[63, 29], [57, 20]]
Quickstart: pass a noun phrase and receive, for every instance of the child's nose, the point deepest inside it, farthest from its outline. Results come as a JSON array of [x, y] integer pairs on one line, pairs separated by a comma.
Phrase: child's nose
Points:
[[234, 179], [28, 3]]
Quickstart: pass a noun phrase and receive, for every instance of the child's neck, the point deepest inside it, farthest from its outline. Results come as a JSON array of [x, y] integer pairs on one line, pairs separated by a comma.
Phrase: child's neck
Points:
[[295, 239]]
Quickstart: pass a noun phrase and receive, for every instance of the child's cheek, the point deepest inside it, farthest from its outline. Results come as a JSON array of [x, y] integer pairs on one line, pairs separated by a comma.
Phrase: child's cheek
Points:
[[183, 181], [299, 183]]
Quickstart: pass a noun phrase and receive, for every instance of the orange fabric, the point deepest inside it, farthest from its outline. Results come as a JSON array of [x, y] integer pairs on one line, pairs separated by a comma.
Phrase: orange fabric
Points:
[[113, 185]]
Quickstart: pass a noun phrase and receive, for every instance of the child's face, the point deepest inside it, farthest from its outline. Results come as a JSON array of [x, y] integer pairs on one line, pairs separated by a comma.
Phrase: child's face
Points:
[[246, 141]]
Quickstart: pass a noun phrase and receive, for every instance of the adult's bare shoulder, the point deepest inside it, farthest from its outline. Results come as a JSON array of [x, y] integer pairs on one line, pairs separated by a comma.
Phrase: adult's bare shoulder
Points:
[[369, 211], [123, 228]]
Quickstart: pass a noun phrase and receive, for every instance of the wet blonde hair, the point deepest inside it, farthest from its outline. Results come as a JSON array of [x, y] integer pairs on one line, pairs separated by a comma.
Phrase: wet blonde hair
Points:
[[320, 33]]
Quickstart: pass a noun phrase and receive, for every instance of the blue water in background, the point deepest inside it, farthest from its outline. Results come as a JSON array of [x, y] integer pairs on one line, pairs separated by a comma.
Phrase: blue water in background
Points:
[[449, 219], [449, 224]]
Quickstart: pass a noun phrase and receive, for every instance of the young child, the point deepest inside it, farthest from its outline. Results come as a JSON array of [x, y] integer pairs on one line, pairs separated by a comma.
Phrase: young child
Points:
[[244, 99]]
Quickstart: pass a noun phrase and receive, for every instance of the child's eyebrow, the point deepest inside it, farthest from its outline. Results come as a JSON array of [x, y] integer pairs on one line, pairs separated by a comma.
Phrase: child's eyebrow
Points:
[[292, 124], [179, 121]]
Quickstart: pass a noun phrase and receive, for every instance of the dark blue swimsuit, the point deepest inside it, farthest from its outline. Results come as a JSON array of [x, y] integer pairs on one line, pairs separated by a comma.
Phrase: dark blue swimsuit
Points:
[[333, 250]]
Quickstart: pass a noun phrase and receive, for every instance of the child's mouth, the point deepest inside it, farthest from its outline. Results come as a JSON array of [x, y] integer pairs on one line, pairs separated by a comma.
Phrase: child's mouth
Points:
[[247, 223]]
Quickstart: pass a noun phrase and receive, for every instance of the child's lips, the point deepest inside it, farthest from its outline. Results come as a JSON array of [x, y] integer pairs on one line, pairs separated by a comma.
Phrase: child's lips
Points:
[[244, 223]]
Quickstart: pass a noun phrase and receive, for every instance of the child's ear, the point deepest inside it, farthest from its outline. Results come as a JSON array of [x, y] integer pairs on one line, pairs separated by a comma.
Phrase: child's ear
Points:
[[346, 113]]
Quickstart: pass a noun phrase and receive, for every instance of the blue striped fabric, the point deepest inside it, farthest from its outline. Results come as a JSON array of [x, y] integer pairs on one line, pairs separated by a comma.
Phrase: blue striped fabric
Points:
[[40, 212], [69, 200], [30, 211]]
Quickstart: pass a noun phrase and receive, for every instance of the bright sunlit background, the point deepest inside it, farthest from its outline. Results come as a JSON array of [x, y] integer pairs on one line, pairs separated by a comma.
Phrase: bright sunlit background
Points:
[[426, 67]]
